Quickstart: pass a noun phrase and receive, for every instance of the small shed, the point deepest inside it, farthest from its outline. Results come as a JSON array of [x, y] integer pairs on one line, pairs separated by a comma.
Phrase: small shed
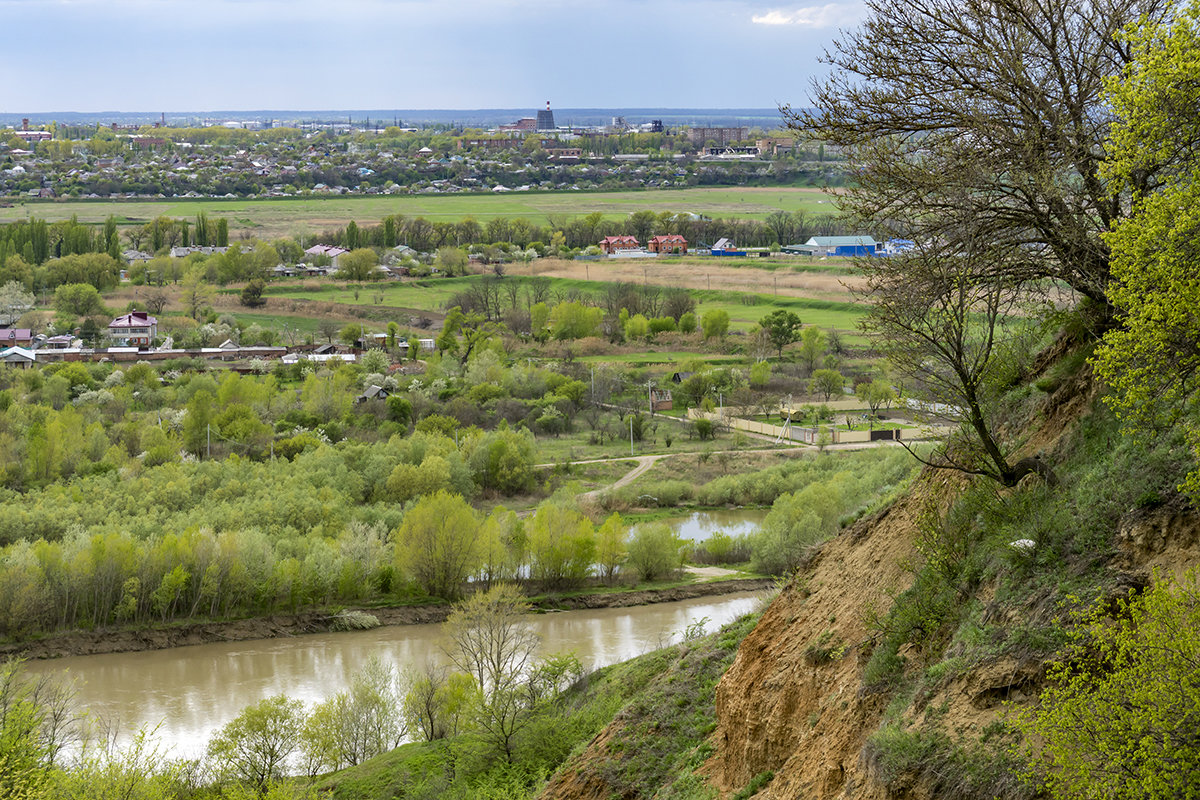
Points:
[[373, 392]]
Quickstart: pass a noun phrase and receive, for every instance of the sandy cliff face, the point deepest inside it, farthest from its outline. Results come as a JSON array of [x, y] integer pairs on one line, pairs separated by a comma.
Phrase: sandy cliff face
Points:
[[791, 702]]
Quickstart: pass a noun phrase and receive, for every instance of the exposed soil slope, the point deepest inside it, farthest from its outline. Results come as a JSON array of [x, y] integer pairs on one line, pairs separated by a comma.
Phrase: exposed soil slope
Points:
[[796, 703], [785, 705]]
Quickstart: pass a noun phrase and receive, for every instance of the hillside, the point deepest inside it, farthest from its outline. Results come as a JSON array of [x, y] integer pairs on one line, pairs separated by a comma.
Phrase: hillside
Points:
[[887, 666]]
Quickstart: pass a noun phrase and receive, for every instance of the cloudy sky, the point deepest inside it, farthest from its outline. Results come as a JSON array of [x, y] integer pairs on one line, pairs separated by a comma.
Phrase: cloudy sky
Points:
[[195, 55]]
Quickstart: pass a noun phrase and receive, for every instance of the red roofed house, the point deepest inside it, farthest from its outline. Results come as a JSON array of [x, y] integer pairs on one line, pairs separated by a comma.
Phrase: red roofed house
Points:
[[134, 328], [614, 244], [673, 243], [15, 337]]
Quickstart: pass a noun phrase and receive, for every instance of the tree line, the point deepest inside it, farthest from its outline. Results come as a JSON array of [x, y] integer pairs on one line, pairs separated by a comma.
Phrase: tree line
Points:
[[419, 233]]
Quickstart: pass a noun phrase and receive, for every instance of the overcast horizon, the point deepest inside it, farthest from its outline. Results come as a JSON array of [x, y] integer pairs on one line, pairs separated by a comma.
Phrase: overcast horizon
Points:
[[463, 118], [95, 56]]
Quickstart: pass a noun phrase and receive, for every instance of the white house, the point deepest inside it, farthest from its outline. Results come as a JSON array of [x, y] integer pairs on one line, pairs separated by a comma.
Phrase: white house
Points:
[[134, 328]]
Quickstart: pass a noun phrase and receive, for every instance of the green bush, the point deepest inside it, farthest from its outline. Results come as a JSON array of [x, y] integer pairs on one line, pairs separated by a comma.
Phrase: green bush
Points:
[[662, 494], [655, 551], [1121, 715]]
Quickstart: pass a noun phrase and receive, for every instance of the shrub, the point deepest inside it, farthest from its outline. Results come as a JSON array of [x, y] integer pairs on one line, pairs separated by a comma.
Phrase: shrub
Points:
[[655, 551], [1121, 717], [721, 548]]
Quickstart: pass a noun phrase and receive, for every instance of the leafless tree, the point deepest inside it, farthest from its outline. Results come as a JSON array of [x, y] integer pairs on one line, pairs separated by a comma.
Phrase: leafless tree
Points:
[[944, 319], [328, 328], [491, 639], [156, 301], [989, 107], [537, 290]]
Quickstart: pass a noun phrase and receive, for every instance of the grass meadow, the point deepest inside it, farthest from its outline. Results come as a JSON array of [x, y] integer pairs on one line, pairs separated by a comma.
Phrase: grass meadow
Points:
[[745, 309], [274, 217]]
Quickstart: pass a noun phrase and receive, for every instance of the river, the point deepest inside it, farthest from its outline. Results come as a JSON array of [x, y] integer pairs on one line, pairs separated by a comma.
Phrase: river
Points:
[[189, 692]]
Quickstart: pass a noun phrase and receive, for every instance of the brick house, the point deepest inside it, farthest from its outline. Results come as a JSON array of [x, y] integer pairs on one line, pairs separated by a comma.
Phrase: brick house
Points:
[[673, 243], [16, 337], [615, 244]]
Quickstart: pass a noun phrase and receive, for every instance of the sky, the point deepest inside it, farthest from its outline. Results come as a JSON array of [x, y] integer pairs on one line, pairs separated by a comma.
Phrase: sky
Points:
[[196, 55]]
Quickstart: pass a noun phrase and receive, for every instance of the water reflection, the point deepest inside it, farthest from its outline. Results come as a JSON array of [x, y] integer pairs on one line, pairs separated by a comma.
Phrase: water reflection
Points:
[[699, 525], [194, 690]]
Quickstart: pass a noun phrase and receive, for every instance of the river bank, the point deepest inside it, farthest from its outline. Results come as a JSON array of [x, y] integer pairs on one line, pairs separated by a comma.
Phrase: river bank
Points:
[[129, 640]]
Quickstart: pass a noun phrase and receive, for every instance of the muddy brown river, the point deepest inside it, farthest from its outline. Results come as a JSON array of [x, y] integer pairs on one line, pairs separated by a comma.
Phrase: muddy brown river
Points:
[[189, 692]]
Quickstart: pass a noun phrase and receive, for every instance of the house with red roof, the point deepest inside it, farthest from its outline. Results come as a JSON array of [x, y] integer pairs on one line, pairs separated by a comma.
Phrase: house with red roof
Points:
[[134, 328], [615, 244], [16, 337], [672, 243]]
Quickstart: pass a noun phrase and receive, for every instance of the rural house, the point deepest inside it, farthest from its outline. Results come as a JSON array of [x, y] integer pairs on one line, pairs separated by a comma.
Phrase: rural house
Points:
[[326, 251], [673, 243], [17, 357], [616, 244], [16, 337], [134, 328]]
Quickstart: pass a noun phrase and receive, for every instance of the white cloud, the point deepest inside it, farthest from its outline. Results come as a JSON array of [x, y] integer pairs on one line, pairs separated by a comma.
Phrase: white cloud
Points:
[[830, 15]]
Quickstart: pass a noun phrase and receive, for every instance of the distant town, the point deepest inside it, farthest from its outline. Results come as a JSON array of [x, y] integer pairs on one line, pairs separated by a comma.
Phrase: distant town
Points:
[[225, 158]]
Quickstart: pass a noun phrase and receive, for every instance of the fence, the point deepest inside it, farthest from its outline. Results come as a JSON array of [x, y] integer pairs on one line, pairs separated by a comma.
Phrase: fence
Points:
[[794, 433], [808, 435]]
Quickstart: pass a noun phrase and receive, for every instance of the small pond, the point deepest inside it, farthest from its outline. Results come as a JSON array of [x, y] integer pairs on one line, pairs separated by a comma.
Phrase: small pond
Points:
[[699, 525]]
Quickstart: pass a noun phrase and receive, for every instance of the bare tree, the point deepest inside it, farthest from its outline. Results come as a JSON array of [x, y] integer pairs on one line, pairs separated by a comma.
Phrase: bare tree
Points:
[[989, 107], [156, 301], [944, 319], [537, 290], [491, 640], [328, 328]]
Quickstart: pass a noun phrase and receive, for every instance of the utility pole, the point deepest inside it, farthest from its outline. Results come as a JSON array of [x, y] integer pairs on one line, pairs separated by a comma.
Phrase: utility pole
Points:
[[631, 433]]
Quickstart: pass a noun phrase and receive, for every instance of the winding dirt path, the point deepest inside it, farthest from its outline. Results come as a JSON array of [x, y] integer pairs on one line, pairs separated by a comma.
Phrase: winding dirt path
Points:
[[643, 466], [645, 463]]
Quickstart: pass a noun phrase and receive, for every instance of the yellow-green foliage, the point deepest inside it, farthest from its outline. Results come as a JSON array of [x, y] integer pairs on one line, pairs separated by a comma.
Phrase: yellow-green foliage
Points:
[[1121, 716], [1152, 362], [562, 543], [439, 544], [822, 492]]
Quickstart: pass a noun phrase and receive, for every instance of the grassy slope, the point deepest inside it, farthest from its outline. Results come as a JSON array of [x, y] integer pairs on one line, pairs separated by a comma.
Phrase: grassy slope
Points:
[[662, 702]]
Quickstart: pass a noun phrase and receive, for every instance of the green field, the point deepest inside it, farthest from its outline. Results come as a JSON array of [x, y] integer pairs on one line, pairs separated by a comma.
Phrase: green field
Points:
[[428, 295], [309, 215], [744, 309]]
